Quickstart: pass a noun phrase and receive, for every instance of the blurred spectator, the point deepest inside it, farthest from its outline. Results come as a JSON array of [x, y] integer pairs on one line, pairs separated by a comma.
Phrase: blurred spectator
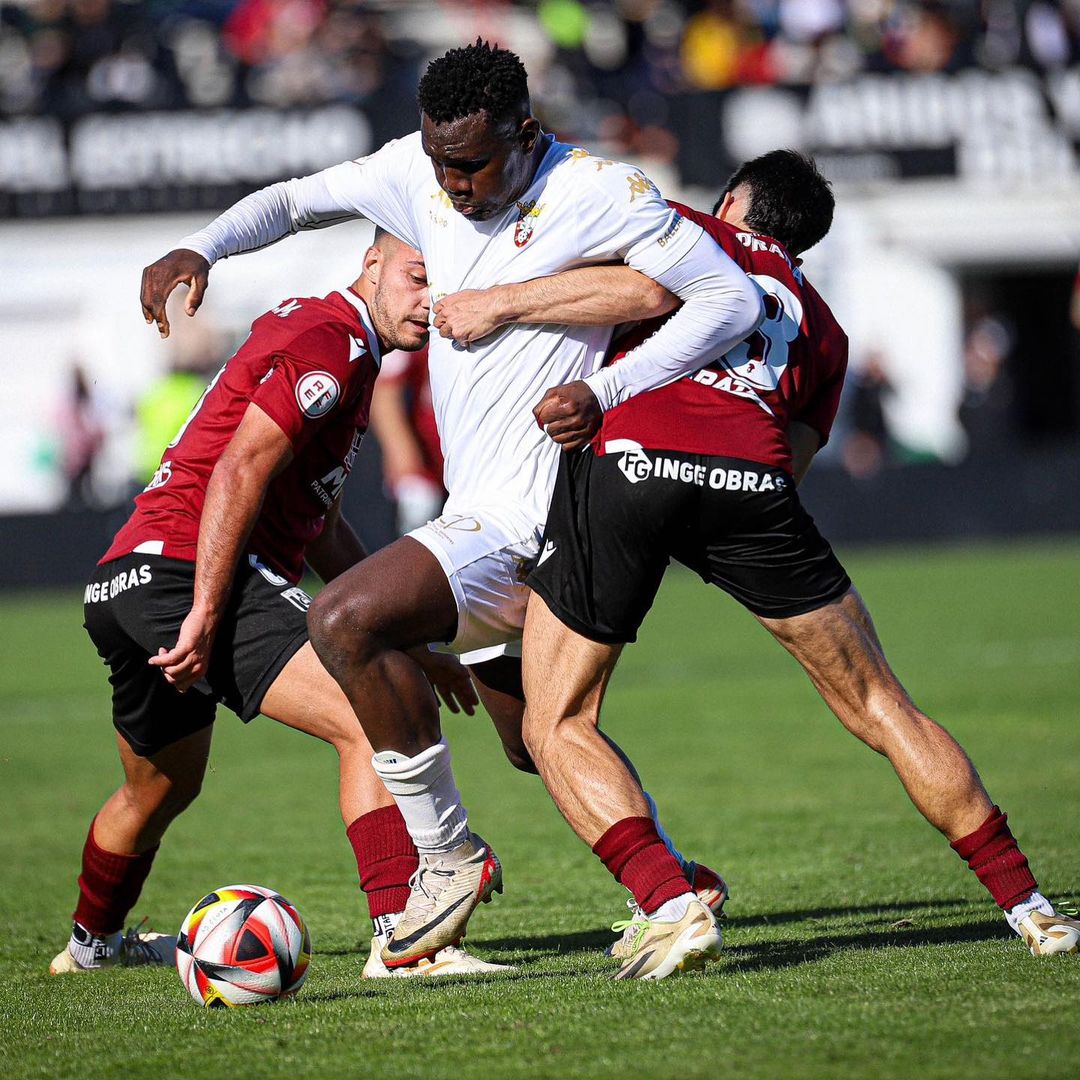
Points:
[[985, 407], [865, 448], [70, 57], [82, 433], [165, 407], [403, 421]]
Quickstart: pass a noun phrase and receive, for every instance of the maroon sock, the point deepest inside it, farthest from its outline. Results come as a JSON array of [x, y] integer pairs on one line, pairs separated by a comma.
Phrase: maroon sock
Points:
[[385, 857], [633, 851], [109, 885], [992, 852]]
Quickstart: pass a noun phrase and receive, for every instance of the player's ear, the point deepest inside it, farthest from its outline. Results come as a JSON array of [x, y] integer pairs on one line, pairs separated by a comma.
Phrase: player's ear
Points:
[[372, 264], [724, 209], [528, 133]]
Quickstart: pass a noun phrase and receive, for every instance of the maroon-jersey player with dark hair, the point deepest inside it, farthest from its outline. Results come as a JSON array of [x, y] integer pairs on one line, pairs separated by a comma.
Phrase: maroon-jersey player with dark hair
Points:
[[198, 602]]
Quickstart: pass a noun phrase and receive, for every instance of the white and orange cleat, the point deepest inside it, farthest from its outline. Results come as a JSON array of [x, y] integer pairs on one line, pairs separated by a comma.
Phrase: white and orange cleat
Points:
[[446, 889]]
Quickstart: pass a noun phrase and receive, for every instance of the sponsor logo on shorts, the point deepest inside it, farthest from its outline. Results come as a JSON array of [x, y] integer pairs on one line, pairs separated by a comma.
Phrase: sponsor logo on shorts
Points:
[[297, 597], [97, 592], [549, 550], [459, 523], [636, 466], [316, 393]]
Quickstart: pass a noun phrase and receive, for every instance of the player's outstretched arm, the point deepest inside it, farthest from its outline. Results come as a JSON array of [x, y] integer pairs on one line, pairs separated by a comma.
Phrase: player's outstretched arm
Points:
[[586, 296], [374, 187], [256, 453]]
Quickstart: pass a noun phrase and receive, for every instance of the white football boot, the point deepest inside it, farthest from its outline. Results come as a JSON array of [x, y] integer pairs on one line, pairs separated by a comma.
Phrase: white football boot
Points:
[[659, 948], [445, 891], [711, 890], [1049, 935], [135, 948], [448, 961]]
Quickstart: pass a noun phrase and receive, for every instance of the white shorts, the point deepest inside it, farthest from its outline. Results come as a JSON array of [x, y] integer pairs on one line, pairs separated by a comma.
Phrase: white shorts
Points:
[[486, 556]]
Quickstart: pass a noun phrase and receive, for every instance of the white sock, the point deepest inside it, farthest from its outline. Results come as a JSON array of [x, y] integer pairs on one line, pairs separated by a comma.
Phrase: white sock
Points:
[[384, 926], [427, 796], [1035, 902], [672, 910], [668, 842], [91, 950]]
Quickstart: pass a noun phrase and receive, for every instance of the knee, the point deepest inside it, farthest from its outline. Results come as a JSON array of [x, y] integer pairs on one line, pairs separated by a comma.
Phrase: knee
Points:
[[163, 799], [540, 733], [337, 627], [520, 758]]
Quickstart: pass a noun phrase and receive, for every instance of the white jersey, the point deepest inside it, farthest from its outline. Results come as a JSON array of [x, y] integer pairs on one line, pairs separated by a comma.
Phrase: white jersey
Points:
[[578, 210]]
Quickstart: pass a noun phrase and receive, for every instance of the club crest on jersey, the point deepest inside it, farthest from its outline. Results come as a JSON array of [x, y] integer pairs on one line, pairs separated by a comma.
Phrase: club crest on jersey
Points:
[[528, 212], [316, 393]]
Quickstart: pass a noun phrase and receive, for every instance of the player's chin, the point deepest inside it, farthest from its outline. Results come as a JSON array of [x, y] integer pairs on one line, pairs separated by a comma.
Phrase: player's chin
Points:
[[413, 336]]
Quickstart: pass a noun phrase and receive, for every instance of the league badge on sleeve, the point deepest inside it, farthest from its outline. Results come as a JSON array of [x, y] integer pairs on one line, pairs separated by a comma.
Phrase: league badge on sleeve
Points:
[[316, 393]]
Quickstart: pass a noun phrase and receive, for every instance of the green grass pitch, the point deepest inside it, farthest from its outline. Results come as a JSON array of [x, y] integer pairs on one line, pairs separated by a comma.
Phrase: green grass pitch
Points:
[[857, 943]]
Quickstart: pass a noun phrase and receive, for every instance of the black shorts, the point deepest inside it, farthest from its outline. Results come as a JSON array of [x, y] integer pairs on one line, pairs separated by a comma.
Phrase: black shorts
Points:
[[616, 520], [135, 604]]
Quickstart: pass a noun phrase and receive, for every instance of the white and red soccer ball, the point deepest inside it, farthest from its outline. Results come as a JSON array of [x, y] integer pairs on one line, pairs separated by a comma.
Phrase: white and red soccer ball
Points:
[[242, 945]]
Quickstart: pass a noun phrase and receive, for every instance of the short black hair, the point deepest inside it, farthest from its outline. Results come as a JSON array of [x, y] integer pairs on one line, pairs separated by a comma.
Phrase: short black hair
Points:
[[789, 199], [477, 78]]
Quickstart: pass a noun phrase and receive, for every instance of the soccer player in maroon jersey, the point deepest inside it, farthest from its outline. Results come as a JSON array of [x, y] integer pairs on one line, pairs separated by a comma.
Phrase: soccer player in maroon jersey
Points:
[[197, 602], [702, 471]]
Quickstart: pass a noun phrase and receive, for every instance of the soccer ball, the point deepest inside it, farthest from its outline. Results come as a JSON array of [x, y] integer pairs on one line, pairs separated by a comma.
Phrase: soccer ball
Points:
[[242, 945]]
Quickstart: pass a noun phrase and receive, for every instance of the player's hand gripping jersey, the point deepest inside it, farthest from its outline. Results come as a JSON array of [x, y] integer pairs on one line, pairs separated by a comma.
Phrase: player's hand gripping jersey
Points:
[[310, 365], [579, 209], [791, 368]]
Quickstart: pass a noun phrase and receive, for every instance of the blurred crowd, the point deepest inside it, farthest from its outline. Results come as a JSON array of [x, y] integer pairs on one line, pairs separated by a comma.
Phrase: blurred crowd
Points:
[[71, 57]]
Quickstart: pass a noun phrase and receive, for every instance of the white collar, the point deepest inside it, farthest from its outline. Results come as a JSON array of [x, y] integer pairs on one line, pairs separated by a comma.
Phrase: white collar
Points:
[[365, 318]]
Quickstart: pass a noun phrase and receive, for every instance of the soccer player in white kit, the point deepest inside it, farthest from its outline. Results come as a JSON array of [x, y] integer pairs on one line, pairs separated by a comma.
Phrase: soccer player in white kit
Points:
[[488, 199]]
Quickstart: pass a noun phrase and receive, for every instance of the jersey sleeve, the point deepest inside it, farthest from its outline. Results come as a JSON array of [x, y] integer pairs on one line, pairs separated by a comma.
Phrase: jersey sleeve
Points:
[[376, 187], [820, 410], [311, 376], [624, 217]]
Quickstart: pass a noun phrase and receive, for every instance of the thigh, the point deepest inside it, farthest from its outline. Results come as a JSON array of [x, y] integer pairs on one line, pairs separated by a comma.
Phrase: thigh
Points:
[[498, 684], [180, 765], [305, 696], [564, 673], [133, 606], [752, 538], [398, 595], [605, 544], [485, 556]]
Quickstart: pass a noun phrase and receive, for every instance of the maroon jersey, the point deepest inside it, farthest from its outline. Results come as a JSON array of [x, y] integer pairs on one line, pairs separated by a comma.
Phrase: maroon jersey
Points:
[[310, 365], [791, 368], [410, 369]]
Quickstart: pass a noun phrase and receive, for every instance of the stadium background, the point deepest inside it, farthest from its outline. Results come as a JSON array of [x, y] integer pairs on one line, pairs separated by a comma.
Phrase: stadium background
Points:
[[950, 131], [856, 945]]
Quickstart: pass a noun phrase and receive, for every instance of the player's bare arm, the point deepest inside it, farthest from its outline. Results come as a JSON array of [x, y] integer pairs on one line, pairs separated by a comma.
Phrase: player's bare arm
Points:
[[336, 548], [178, 267], [805, 443], [585, 296], [256, 454]]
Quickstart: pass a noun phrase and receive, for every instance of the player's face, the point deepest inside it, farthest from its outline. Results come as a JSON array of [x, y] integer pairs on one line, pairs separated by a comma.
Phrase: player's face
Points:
[[401, 303], [482, 167]]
